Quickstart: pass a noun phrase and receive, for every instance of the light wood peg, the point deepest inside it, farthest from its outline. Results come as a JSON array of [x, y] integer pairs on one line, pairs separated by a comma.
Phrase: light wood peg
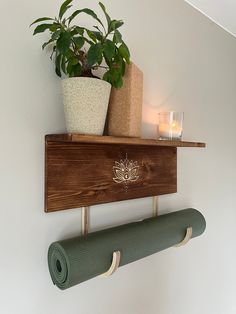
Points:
[[114, 265], [85, 220], [188, 236], [155, 208]]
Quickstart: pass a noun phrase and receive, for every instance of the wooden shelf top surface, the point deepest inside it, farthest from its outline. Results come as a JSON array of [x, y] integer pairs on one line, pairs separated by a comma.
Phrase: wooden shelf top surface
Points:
[[96, 139]]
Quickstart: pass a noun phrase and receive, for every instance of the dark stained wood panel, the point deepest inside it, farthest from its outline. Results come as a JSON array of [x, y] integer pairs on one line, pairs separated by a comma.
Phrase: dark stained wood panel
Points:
[[119, 140], [83, 174]]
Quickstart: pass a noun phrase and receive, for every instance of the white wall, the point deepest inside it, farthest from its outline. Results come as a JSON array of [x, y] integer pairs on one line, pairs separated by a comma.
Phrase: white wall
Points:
[[189, 64], [222, 12]]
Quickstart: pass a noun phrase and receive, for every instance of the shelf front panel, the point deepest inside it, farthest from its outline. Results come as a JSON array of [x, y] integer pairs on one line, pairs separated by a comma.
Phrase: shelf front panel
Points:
[[84, 174], [96, 139]]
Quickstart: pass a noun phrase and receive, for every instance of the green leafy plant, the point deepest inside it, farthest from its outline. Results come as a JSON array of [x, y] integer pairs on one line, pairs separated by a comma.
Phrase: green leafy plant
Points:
[[77, 50]]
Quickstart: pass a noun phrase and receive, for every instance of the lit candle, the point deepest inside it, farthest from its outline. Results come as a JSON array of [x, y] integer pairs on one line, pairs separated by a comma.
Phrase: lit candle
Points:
[[170, 125]]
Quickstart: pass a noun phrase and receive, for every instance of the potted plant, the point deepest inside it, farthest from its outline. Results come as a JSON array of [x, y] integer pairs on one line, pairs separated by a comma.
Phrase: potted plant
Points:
[[77, 53]]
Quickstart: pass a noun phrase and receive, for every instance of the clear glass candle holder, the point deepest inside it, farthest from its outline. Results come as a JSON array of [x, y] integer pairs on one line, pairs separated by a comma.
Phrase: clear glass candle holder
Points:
[[171, 125]]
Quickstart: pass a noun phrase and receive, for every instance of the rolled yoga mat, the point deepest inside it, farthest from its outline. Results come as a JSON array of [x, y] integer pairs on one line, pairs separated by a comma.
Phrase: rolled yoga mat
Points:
[[75, 260]]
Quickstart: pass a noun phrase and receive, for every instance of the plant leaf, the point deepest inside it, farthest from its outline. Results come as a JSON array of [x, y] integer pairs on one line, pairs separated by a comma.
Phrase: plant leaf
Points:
[[55, 27], [77, 69], [123, 68], [86, 11], [69, 54], [108, 62], [105, 12], [98, 35], [93, 14], [73, 61], [58, 65], [64, 41], [47, 43], [114, 76], [56, 35], [74, 69], [41, 19], [124, 52], [53, 51], [69, 69], [63, 64], [115, 25], [79, 41], [41, 28], [64, 7], [117, 38], [118, 83], [100, 59], [94, 54], [89, 41], [91, 35], [98, 29], [78, 30], [73, 15], [109, 49], [107, 77]]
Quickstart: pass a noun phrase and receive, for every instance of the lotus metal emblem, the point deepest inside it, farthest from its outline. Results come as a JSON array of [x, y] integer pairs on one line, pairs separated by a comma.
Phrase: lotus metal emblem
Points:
[[126, 171]]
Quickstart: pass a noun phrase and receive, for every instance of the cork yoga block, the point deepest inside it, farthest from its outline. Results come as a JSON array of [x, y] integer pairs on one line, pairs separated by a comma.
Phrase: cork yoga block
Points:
[[125, 107]]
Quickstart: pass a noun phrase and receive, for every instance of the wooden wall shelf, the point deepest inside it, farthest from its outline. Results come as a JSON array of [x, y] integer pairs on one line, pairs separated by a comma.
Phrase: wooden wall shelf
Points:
[[82, 170], [93, 139]]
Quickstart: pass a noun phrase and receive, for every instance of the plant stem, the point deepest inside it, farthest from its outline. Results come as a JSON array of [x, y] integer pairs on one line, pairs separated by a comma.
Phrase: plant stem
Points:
[[101, 66]]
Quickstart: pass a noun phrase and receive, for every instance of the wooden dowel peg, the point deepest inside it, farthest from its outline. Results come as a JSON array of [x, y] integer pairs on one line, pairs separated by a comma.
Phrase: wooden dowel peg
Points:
[[114, 265], [188, 236], [85, 211], [155, 206]]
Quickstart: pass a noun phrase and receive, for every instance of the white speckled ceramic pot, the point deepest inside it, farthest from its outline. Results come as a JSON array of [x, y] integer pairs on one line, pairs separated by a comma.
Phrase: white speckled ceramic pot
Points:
[[85, 103]]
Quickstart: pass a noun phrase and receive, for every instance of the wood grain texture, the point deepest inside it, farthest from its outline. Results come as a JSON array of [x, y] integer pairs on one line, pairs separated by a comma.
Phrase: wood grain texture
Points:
[[81, 174], [79, 138]]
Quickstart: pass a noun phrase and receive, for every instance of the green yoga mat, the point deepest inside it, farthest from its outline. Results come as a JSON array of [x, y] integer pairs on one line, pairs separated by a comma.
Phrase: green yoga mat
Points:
[[75, 260]]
